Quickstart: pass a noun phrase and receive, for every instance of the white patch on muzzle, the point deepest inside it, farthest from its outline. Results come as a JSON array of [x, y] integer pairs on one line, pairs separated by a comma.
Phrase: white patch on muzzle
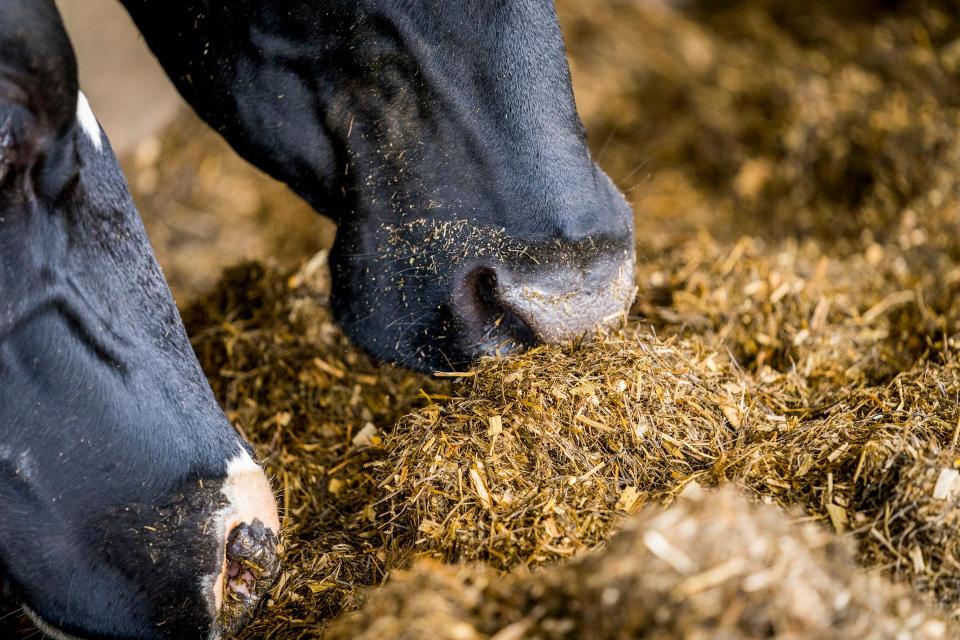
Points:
[[565, 304], [88, 121], [249, 497]]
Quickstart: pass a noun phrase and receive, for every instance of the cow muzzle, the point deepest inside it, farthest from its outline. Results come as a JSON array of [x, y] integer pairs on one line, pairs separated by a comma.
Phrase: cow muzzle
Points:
[[505, 309], [250, 528]]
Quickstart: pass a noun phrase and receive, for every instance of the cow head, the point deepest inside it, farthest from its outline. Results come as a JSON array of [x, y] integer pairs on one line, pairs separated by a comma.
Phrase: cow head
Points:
[[472, 218], [129, 506], [444, 140]]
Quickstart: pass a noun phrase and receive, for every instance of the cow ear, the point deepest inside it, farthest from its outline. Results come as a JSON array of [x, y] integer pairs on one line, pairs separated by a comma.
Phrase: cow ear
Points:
[[38, 96]]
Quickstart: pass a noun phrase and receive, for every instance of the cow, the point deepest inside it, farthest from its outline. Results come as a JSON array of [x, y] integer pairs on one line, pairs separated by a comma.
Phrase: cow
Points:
[[442, 139], [129, 505]]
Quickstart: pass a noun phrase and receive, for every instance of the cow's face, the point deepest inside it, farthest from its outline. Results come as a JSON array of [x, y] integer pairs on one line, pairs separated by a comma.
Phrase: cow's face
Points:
[[129, 507], [473, 219], [444, 140]]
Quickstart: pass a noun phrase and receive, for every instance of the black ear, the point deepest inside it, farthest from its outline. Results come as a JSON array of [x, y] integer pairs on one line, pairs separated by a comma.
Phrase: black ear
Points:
[[38, 95]]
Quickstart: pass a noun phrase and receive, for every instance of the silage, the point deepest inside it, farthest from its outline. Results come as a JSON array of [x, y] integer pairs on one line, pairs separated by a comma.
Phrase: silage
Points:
[[314, 407], [533, 459], [782, 116], [796, 329], [541, 453], [712, 566]]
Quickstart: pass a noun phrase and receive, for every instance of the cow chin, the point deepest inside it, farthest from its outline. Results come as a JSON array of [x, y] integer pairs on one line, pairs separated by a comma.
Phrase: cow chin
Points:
[[193, 565]]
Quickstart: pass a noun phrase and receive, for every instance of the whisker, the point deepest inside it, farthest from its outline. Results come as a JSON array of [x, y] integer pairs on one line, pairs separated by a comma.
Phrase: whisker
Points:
[[606, 144], [12, 613], [633, 171]]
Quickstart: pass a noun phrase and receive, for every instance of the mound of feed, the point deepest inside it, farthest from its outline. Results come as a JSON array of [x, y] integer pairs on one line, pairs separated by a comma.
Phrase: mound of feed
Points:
[[539, 453], [531, 459], [713, 565], [315, 408], [820, 371]]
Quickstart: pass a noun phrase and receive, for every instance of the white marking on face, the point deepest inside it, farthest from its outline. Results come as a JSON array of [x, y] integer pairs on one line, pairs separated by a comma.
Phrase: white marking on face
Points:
[[249, 497], [24, 466], [88, 121]]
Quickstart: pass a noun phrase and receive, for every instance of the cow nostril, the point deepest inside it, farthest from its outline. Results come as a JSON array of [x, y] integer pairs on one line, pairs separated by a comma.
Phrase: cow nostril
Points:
[[492, 326], [252, 566]]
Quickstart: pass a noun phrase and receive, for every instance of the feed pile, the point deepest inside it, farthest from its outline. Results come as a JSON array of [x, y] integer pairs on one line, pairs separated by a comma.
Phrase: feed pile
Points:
[[812, 359], [533, 459], [713, 566], [794, 170]]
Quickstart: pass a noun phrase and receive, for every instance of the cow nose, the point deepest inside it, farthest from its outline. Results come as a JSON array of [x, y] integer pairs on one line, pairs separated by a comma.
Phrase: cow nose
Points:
[[252, 565], [506, 308], [251, 548]]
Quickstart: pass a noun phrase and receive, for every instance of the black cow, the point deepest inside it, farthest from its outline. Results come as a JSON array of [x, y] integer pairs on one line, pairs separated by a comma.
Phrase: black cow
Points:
[[127, 501], [443, 139]]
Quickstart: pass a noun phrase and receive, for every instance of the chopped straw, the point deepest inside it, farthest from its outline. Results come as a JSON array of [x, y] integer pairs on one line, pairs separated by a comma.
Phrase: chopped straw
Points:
[[812, 360], [713, 566], [537, 457]]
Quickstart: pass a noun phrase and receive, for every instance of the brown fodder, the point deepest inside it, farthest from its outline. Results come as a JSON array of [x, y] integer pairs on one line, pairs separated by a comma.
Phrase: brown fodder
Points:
[[537, 457], [712, 566]]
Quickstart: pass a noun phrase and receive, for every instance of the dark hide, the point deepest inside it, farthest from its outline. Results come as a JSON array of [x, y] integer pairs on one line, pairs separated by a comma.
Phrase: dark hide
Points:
[[107, 424], [442, 137]]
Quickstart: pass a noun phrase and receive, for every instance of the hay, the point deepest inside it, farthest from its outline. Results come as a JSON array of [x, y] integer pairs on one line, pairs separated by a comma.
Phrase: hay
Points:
[[535, 458], [783, 116], [920, 522], [713, 566], [205, 209], [539, 453], [818, 372], [794, 169]]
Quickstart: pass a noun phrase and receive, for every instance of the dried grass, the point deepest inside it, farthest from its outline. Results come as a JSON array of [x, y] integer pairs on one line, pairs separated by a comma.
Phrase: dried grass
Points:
[[783, 116], [539, 453], [315, 407], [713, 566], [812, 360], [535, 458], [794, 169]]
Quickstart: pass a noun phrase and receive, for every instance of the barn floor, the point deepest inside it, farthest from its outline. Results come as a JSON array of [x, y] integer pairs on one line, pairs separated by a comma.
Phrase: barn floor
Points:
[[794, 169]]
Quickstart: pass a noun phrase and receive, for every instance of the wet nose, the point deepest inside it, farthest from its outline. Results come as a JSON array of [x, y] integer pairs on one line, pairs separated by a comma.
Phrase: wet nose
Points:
[[252, 566], [250, 529], [506, 308]]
